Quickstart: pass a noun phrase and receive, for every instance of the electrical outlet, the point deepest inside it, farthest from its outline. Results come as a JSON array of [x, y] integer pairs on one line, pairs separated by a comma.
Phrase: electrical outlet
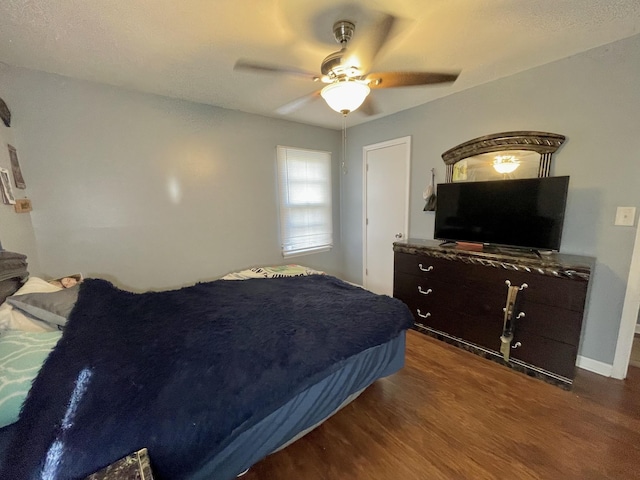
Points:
[[625, 216]]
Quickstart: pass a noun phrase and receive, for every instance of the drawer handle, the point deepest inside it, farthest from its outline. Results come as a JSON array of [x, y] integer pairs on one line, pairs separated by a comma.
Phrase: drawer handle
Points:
[[522, 287], [520, 315], [428, 269], [426, 315], [424, 292], [516, 345]]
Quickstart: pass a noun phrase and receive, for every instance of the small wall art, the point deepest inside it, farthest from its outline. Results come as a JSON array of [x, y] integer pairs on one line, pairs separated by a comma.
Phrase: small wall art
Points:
[[23, 205], [7, 191], [15, 167]]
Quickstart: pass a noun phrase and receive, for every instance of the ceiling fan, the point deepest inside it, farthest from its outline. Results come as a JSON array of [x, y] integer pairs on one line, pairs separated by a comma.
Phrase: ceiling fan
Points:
[[347, 71]]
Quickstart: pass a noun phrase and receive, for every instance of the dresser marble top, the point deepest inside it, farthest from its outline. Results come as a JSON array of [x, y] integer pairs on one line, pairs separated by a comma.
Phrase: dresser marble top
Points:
[[576, 267]]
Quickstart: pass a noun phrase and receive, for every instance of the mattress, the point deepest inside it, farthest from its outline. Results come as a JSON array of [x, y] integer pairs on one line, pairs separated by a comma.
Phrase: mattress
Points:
[[306, 410]]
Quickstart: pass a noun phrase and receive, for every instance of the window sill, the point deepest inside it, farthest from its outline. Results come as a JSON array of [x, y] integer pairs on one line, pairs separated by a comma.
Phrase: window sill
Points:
[[300, 253]]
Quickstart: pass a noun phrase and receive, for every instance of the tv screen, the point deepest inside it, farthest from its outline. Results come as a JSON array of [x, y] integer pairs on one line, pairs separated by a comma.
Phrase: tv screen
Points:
[[526, 213]]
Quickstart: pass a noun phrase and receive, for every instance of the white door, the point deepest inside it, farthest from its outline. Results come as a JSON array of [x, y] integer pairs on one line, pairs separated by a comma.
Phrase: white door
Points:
[[386, 209], [630, 310]]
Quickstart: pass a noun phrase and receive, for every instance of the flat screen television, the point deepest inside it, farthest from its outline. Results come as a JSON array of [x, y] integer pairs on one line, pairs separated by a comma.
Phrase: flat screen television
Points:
[[525, 213]]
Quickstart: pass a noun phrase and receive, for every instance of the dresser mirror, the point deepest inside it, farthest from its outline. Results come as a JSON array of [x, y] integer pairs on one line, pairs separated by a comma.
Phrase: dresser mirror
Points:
[[508, 155]]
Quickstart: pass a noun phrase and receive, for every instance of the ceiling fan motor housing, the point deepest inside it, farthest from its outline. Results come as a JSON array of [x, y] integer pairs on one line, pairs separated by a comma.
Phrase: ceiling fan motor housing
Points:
[[343, 31], [332, 65]]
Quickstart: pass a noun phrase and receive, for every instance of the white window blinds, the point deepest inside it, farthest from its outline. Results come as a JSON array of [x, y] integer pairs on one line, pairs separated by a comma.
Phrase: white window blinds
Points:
[[304, 186]]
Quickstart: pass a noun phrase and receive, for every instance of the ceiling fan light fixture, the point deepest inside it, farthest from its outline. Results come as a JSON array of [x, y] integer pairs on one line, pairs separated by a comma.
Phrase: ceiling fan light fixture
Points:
[[346, 96]]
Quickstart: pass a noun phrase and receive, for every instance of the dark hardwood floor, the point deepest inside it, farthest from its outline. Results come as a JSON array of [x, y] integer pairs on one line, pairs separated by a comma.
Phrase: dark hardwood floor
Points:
[[449, 414]]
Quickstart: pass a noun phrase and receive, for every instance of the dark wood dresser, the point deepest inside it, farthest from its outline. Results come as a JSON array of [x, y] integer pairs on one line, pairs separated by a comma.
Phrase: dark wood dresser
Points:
[[473, 298]]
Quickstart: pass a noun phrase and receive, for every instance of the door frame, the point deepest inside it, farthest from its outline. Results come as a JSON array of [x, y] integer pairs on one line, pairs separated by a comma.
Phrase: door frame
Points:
[[365, 150], [630, 310]]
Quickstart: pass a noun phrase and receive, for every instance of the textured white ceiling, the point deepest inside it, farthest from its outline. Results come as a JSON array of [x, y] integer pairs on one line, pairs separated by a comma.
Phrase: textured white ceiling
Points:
[[187, 48]]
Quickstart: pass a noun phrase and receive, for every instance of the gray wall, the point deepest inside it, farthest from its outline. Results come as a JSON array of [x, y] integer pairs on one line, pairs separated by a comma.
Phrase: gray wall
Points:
[[151, 192], [593, 99], [16, 230]]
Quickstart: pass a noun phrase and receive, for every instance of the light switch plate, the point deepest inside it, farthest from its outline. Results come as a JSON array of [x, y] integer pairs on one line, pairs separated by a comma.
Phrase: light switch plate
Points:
[[625, 216]]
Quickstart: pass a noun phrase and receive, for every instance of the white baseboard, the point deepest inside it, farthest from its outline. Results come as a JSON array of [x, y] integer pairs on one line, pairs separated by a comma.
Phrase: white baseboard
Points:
[[594, 366], [637, 328]]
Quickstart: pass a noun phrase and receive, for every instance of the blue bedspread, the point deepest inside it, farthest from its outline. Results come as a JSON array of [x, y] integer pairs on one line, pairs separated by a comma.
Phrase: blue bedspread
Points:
[[181, 371]]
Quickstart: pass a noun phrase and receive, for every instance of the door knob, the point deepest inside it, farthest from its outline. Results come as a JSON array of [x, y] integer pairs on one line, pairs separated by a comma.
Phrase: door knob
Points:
[[398, 235]]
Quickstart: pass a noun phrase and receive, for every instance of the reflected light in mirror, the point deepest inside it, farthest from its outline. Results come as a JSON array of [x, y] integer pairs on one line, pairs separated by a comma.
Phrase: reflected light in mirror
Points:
[[505, 163]]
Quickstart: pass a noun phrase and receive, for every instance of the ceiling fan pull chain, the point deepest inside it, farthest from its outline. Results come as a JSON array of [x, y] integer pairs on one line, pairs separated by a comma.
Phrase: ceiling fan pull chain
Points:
[[345, 170]]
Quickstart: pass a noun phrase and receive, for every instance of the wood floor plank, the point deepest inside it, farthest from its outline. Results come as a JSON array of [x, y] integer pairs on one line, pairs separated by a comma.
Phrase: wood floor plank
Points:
[[449, 414]]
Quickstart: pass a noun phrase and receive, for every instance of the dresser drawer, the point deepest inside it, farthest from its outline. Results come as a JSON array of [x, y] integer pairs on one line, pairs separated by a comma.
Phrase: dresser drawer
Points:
[[560, 292], [429, 267], [440, 319], [483, 330], [556, 357], [427, 289], [549, 321]]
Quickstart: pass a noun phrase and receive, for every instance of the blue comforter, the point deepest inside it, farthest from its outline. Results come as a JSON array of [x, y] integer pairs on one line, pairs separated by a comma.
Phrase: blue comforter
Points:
[[182, 372]]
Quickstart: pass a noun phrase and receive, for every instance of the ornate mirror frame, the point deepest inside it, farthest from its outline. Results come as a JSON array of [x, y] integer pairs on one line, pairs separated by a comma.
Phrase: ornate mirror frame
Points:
[[541, 142]]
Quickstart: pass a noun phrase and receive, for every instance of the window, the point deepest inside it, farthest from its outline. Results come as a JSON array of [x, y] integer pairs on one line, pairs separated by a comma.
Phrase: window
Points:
[[304, 186]]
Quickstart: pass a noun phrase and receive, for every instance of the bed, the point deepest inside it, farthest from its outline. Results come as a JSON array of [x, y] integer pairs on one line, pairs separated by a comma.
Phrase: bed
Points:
[[208, 378]]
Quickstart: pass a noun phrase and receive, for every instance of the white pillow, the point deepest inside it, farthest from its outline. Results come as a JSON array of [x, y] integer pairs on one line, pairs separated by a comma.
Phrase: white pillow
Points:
[[37, 285], [13, 319]]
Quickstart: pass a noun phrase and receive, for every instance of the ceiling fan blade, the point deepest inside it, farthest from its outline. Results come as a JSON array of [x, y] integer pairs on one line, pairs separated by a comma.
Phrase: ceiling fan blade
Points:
[[366, 45], [297, 104], [369, 107], [407, 79], [243, 64]]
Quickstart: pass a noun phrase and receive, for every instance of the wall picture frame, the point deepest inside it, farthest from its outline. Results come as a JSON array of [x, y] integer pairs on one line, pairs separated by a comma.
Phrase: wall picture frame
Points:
[[18, 179], [7, 191]]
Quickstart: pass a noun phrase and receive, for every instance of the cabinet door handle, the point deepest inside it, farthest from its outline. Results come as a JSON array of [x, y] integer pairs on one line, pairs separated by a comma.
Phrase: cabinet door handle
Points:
[[516, 345], [426, 315], [424, 292], [428, 269]]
